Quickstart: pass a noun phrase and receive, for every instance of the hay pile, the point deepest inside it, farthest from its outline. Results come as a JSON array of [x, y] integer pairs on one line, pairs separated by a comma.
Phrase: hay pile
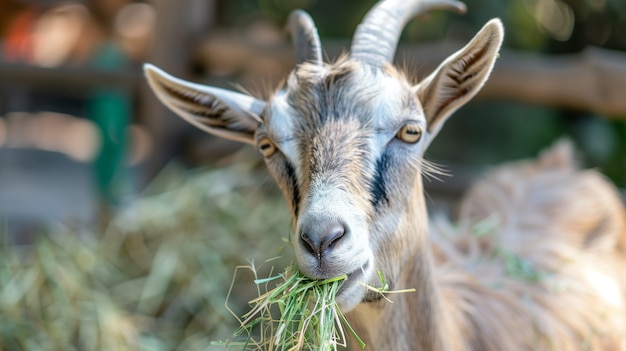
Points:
[[155, 279]]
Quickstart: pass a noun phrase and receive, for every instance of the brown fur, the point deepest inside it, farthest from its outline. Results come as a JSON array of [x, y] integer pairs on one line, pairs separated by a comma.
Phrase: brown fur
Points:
[[544, 275]]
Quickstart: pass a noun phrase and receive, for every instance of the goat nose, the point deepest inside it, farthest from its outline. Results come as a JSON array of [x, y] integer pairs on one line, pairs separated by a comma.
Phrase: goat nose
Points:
[[319, 240]]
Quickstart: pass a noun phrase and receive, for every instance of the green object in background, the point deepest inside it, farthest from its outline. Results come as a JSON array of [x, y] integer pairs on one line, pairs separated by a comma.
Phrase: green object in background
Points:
[[615, 167], [110, 109]]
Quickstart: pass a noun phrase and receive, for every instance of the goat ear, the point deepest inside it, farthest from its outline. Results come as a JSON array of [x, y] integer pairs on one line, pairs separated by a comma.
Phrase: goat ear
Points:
[[217, 111], [459, 77]]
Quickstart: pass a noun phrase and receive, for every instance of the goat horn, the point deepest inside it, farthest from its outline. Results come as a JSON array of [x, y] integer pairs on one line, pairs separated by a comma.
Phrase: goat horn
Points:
[[377, 36], [305, 38]]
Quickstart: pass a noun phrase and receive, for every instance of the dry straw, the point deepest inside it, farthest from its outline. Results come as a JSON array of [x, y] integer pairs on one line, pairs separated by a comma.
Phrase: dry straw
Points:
[[153, 280]]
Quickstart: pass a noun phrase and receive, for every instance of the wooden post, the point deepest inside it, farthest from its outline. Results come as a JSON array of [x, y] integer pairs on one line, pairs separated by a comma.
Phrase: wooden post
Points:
[[179, 26]]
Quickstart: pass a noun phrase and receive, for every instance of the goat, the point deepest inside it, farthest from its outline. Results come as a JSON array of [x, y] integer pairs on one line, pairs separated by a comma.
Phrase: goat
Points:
[[345, 143]]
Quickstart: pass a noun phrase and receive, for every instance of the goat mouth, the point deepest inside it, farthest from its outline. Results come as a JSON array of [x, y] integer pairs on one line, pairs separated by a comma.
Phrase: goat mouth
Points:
[[353, 290], [355, 277], [359, 277]]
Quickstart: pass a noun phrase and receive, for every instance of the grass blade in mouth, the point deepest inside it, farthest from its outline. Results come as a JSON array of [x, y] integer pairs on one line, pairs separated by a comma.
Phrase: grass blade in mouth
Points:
[[300, 313]]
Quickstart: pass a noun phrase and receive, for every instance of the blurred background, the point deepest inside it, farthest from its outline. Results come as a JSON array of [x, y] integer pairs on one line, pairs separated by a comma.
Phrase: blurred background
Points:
[[121, 225]]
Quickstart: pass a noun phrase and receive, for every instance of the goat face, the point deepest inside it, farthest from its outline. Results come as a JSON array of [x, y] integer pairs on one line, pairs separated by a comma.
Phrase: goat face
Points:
[[344, 142]]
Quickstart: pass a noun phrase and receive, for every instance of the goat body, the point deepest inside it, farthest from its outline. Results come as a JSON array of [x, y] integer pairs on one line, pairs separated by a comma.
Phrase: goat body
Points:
[[532, 264]]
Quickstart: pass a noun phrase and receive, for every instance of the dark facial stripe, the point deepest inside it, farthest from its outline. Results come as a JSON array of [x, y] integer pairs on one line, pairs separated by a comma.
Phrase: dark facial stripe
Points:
[[378, 188], [293, 182]]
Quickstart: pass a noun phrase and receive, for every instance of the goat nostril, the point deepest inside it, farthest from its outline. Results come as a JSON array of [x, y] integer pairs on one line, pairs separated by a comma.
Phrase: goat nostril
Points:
[[320, 242], [310, 243], [335, 233]]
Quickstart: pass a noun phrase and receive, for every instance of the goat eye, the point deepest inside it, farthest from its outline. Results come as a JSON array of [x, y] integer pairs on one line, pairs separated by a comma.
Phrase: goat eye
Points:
[[410, 133], [266, 146]]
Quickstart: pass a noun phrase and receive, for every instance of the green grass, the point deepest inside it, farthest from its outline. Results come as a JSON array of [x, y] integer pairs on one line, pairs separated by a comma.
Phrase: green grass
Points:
[[298, 314]]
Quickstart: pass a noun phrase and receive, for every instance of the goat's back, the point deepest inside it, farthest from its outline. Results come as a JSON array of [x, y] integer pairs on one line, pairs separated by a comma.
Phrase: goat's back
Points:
[[551, 197], [535, 259]]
